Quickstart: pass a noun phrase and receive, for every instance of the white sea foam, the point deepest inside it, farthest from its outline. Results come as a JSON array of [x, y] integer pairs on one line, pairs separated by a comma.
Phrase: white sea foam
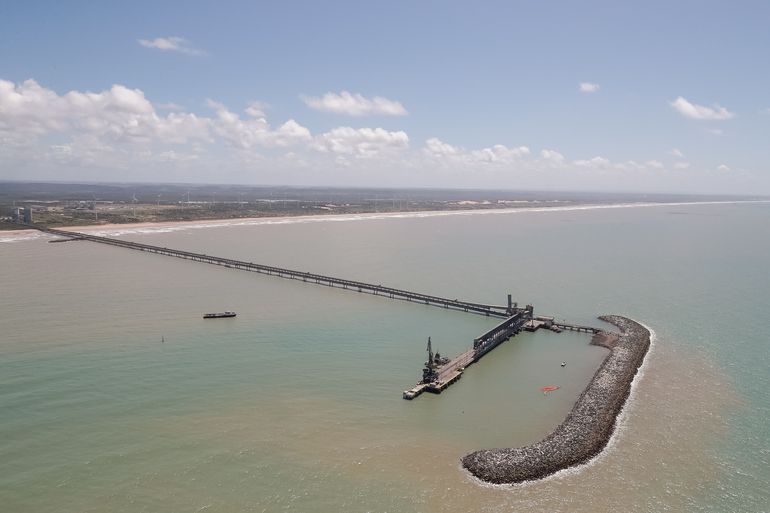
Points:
[[20, 237], [620, 426], [268, 221]]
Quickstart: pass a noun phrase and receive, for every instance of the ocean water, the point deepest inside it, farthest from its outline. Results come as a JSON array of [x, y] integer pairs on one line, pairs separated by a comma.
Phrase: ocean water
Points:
[[116, 396]]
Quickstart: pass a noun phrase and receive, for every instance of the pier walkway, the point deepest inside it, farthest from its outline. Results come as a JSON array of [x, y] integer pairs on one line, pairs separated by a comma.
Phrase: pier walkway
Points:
[[576, 327], [319, 279], [535, 323]]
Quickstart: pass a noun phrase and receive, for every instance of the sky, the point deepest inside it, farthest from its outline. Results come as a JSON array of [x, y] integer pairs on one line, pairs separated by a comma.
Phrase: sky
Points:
[[647, 96]]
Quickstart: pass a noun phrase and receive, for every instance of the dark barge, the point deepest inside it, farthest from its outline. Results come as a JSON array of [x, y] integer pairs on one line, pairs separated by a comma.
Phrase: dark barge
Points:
[[220, 315]]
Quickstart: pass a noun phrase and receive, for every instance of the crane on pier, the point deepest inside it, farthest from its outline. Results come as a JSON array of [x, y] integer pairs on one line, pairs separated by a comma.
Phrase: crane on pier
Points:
[[433, 364]]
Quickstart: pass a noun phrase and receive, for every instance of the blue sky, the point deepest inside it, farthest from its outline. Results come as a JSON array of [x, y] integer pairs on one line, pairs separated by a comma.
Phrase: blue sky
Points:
[[676, 95]]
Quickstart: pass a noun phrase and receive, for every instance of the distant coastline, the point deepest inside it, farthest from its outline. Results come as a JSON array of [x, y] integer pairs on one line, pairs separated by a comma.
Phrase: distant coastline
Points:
[[332, 217], [588, 427], [79, 205]]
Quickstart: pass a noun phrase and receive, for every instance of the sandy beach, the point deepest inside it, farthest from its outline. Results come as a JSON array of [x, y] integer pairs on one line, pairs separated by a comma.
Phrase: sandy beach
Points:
[[214, 223]]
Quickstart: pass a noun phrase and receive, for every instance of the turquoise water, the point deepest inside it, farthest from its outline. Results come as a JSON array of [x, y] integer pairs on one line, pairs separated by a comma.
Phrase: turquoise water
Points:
[[295, 404]]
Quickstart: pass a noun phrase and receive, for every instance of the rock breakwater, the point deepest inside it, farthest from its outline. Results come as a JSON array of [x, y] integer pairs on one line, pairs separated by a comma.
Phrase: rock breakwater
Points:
[[587, 428]]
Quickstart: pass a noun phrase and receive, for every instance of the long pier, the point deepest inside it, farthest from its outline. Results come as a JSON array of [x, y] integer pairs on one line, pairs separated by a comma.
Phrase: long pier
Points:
[[319, 279], [439, 373]]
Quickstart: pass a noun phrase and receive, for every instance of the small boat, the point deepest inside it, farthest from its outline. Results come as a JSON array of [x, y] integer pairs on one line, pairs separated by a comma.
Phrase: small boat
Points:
[[220, 315]]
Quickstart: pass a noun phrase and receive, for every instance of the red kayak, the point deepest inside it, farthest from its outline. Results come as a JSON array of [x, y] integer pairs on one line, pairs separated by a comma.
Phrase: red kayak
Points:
[[549, 388]]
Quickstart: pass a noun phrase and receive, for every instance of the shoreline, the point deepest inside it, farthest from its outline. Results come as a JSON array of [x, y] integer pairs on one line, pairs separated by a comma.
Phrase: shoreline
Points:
[[589, 426], [213, 223]]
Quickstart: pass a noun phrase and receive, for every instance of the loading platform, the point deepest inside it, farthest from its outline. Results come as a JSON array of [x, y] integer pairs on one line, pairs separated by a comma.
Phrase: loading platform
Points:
[[438, 374]]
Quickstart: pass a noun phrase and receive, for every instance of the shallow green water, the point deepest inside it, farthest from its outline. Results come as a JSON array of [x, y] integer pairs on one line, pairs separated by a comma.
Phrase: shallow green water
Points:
[[295, 404]]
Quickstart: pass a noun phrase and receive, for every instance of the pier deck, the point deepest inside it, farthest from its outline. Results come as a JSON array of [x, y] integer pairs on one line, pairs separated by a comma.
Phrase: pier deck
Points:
[[500, 311], [536, 323], [445, 375], [577, 327]]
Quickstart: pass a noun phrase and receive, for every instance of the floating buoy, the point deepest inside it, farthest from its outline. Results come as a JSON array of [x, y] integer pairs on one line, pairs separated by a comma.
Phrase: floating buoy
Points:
[[563, 364], [550, 388]]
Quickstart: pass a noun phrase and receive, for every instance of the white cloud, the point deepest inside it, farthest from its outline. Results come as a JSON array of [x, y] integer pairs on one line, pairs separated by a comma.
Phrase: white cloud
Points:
[[654, 164], [354, 104], [173, 44], [552, 156], [694, 111], [520, 159], [596, 163], [123, 115], [435, 147], [440, 151], [256, 109], [588, 87], [252, 132], [499, 153], [117, 114], [76, 153], [119, 134], [629, 165], [174, 156], [361, 142], [169, 106], [676, 152], [715, 131], [600, 163]]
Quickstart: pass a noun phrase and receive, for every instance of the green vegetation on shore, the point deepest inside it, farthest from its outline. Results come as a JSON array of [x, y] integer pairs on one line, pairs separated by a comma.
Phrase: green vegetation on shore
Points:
[[60, 204]]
